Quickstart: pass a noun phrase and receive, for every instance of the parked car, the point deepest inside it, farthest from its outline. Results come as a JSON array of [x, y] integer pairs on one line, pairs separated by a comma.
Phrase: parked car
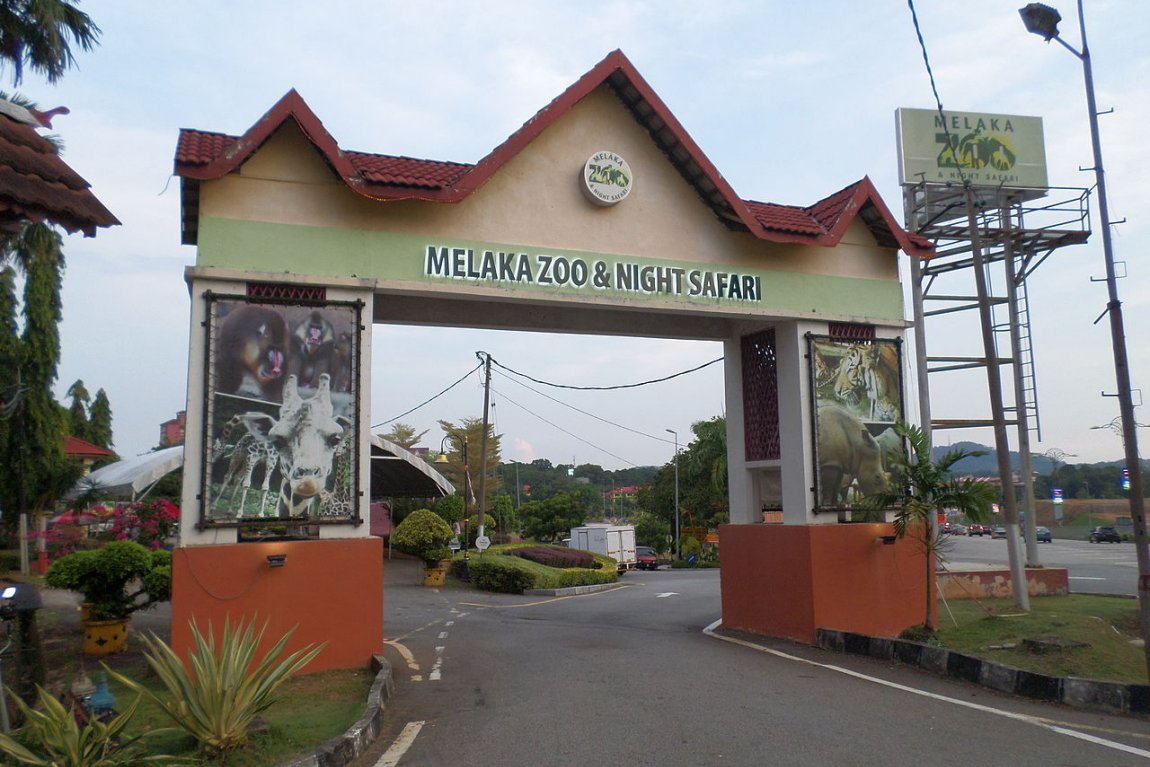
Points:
[[645, 558], [1043, 535], [998, 532], [978, 530], [1105, 534]]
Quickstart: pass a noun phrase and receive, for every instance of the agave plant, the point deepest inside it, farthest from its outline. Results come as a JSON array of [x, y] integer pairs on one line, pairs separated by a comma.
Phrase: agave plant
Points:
[[223, 688], [51, 737]]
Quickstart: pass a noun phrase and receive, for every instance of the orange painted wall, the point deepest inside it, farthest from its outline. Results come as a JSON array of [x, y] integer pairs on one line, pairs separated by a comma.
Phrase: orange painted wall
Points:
[[977, 584], [333, 590], [789, 580]]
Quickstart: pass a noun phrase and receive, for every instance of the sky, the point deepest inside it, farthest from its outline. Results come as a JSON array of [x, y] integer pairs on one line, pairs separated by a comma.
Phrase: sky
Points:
[[790, 101]]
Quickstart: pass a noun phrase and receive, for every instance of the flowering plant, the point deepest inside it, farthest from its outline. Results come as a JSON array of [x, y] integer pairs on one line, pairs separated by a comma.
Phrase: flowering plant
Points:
[[150, 524]]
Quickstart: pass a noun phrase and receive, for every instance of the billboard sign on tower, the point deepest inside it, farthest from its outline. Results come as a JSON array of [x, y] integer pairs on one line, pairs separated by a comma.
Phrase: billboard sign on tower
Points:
[[990, 150]]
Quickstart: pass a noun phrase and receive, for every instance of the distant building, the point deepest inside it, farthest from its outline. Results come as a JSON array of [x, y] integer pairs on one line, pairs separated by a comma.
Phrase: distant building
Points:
[[172, 432], [626, 494], [85, 453]]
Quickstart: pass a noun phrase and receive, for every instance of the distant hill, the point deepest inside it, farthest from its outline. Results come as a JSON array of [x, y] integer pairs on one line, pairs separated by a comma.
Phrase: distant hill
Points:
[[987, 465]]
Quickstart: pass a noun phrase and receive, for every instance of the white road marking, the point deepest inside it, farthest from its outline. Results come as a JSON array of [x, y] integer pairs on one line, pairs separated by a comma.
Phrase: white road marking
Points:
[[436, 674], [398, 748], [666, 594], [710, 631], [1083, 578], [442, 635]]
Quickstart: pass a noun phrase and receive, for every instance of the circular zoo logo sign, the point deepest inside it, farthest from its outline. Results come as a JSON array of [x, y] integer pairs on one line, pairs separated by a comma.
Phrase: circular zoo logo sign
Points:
[[607, 178]]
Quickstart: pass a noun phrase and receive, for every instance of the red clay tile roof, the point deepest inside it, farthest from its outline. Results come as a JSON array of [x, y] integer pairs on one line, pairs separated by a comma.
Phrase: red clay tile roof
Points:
[[203, 156], [36, 185], [74, 447]]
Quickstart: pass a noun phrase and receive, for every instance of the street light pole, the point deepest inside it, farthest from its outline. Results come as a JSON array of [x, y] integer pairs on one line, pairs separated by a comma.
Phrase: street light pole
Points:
[[678, 547], [1043, 20]]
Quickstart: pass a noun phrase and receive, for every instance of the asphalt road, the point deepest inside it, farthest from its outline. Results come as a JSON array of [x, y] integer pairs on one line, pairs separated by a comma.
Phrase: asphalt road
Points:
[[632, 676], [1093, 568]]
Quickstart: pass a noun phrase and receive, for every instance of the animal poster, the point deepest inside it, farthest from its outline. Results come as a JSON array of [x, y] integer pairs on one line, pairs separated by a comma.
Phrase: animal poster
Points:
[[857, 391], [281, 412]]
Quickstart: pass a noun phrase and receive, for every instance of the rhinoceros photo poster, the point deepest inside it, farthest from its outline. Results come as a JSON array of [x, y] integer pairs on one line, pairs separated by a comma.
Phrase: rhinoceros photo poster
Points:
[[281, 415], [857, 391]]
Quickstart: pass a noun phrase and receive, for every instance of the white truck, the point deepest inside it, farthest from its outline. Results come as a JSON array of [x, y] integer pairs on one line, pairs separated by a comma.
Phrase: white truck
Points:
[[616, 541]]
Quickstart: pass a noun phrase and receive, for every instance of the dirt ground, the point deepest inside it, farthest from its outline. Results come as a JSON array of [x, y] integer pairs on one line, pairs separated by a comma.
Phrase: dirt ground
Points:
[[62, 638]]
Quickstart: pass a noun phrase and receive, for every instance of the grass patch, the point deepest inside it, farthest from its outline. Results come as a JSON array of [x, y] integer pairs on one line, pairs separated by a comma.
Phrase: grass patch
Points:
[[312, 709], [1108, 625]]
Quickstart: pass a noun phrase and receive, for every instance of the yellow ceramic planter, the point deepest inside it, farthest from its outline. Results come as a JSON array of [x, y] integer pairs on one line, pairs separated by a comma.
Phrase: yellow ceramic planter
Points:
[[105, 637]]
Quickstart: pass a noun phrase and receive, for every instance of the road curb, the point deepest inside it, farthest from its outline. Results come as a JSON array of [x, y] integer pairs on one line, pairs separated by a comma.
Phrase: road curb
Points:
[[569, 591], [343, 749], [1111, 697]]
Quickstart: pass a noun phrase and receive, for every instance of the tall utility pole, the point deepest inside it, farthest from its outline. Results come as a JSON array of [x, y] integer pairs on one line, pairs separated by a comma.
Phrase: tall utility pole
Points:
[[483, 440], [678, 547], [1043, 20]]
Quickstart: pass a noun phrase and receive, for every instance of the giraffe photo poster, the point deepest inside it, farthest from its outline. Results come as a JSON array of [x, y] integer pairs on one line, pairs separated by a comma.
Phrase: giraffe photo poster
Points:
[[281, 412]]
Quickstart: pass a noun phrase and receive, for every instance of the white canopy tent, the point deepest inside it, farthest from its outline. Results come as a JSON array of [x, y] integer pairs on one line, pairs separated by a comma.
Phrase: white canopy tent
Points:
[[130, 478], [395, 472]]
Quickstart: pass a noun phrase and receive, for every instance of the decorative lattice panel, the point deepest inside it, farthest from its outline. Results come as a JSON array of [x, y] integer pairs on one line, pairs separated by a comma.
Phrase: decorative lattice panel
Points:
[[760, 397], [850, 331], [288, 294]]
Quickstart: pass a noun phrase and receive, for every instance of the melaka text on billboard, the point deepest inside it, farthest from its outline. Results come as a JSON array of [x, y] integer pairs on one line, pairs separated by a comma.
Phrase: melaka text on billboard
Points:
[[986, 149]]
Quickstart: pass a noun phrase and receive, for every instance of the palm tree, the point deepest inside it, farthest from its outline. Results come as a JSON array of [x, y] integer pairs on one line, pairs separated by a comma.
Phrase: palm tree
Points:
[[35, 33], [927, 489]]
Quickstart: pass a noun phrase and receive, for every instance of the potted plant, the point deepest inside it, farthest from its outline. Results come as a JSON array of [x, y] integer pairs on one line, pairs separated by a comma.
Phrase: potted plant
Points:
[[114, 582], [425, 534]]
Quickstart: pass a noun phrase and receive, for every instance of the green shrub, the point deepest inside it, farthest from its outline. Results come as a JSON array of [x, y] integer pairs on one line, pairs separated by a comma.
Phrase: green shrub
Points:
[[582, 577], [499, 574], [423, 534], [9, 560], [103, 576]]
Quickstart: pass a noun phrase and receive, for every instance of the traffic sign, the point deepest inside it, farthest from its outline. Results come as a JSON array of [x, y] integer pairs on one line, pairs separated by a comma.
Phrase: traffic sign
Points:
[[482, 542], [453, 544]]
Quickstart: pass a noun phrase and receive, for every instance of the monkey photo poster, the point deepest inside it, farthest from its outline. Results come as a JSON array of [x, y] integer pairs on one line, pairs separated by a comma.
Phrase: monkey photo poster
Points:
[[857, 391], [281, 412]]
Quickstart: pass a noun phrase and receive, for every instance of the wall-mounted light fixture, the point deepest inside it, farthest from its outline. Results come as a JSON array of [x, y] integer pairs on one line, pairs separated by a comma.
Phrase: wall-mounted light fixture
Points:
[[276, 560], [887, 540]]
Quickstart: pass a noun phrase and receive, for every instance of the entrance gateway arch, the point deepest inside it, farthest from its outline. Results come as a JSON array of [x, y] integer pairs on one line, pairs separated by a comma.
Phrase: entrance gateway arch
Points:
[[599, 216]]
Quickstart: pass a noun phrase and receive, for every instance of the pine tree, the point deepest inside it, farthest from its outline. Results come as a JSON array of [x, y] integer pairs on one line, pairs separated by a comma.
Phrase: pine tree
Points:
[[404, 435], [100, 421], [78, 411]]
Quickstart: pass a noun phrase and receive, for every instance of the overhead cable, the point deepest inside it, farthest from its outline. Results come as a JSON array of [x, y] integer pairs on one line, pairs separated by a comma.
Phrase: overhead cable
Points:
[[432, 399], [560, 428], [605, 388], [584, 412]]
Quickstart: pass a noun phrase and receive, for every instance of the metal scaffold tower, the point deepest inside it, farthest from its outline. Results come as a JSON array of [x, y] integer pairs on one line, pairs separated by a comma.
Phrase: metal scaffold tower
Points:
[[1005, 234]]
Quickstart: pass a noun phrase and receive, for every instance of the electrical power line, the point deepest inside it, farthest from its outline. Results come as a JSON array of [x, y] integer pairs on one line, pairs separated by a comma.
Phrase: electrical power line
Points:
[[584, 412], [560, 428], [605, 388], [950, 142], [430, 400]]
